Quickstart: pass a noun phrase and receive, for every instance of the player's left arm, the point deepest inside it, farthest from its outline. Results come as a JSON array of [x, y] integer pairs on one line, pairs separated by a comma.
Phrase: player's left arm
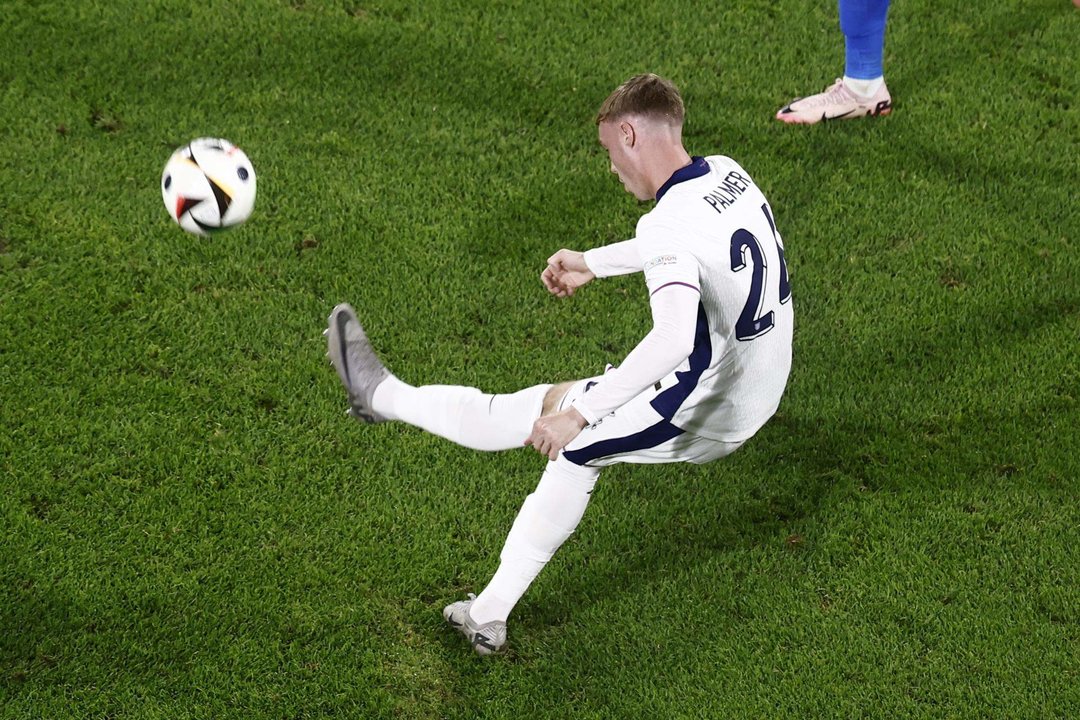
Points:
[[670, 341], [672, 274]]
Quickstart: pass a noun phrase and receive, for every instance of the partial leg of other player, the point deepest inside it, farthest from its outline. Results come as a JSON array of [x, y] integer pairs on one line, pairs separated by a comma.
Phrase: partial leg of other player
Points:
[[862, 91]]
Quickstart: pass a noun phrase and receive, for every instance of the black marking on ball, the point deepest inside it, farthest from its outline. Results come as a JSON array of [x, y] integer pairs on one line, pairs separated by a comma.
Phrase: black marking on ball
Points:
[[224, 200], [168, 181], [205, 227], [242, 172]]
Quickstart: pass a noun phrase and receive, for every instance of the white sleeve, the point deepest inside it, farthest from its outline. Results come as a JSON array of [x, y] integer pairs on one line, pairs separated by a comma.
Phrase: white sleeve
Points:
[[615, 259], [664, 348]]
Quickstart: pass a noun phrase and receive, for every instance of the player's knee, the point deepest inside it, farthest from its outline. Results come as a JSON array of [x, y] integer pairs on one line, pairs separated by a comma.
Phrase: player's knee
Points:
[[554, 396]]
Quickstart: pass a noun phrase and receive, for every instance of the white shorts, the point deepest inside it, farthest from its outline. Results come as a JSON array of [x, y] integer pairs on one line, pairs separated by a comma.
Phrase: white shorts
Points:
[[636, 433]]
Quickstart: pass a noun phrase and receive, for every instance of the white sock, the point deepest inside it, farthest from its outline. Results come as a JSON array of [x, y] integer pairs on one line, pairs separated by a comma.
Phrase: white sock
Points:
[[865, 89], [547, 518], [463, 415]]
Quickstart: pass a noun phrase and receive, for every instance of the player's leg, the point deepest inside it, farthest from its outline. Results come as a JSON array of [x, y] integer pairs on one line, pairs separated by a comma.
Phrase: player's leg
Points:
[[547, 518], [863, 24], [862, 91], [552, 512], [463, 415]]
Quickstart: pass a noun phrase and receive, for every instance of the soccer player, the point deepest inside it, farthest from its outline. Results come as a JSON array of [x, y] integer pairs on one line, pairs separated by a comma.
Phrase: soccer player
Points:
[[700, 383], [861, 92]]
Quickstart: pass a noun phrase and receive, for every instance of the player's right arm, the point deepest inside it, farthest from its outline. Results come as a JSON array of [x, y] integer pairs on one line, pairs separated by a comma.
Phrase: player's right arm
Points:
[[567, 270]]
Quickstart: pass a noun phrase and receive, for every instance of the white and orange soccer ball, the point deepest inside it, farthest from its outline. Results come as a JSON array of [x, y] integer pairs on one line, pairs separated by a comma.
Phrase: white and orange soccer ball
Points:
[[208, 185]]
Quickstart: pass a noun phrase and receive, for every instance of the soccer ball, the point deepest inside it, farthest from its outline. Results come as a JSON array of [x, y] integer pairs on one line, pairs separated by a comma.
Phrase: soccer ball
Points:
[[208, 185]]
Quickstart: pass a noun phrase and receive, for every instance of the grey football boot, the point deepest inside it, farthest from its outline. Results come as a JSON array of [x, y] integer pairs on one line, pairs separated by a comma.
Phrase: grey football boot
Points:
[[356, 363], [485, 639]]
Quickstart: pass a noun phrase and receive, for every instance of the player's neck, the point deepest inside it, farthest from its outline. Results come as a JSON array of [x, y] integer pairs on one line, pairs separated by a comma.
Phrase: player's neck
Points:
[[667, 162]]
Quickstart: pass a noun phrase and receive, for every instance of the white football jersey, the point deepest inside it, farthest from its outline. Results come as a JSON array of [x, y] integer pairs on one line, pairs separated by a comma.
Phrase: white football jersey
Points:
[[712, 229]]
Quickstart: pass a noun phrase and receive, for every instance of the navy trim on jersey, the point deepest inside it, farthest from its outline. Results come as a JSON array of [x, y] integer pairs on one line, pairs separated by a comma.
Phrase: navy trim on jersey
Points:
[[695, 169], [668, 402], [652, 436]]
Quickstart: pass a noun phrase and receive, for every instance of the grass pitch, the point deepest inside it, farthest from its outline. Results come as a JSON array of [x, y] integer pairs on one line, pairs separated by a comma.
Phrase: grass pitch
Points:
[[193, 528]]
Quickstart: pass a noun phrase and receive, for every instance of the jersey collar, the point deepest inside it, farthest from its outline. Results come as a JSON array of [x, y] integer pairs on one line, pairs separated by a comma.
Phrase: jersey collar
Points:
[[695, 169]]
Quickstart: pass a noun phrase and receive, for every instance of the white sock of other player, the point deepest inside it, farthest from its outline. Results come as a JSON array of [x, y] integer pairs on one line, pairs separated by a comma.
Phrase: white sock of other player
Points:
[[864, 88], [463, 415], [547, 518]]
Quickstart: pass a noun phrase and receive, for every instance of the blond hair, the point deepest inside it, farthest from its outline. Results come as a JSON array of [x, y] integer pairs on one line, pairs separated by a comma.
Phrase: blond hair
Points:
[[648, 95]]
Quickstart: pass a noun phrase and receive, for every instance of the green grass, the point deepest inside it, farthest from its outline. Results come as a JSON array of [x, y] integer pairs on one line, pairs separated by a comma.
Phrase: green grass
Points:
[[193, 529]]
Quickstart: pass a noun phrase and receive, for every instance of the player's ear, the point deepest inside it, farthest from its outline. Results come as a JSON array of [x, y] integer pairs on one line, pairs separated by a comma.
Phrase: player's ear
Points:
[[628, 134]]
